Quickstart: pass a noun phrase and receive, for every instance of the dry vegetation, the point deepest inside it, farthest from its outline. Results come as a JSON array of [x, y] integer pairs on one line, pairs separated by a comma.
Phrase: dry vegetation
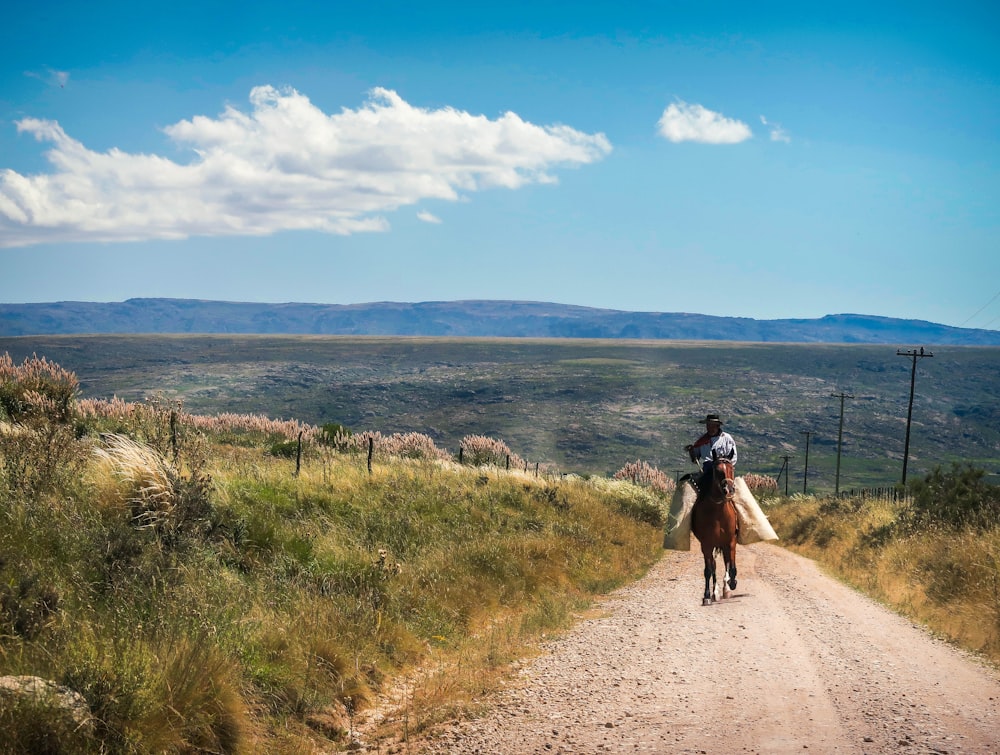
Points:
[[200, 596], [236, 584]]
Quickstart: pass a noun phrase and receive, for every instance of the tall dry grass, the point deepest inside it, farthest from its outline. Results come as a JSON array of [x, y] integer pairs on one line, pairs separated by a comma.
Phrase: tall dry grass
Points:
[[202, 596], [645, 474]]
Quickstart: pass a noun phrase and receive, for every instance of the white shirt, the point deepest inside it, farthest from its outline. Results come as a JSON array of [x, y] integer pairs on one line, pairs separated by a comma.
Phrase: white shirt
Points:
[[722, 444]]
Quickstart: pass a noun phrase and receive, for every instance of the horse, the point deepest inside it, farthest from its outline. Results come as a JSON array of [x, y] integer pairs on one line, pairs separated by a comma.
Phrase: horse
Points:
[[714, 522]]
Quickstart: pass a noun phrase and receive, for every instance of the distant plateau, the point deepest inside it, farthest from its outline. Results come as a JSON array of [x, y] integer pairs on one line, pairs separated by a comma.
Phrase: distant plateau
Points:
[[473, 318]]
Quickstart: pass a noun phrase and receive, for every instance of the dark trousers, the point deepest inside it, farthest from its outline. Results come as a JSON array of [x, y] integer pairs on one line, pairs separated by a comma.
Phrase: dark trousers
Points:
[[705, 480]]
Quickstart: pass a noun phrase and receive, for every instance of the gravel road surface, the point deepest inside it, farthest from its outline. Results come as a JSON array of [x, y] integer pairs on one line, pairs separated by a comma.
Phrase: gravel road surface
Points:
[[794, 662]]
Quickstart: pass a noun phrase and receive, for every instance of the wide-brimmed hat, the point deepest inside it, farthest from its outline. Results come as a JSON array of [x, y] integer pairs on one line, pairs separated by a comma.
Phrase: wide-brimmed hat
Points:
[[713, 418]]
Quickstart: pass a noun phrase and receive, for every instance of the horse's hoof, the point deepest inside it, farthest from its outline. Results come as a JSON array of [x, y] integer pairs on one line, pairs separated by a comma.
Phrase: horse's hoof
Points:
[[706, 601], [732, 584]]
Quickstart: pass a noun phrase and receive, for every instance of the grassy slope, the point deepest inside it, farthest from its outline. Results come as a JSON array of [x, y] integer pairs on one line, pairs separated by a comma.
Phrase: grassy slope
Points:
[[222, 604]]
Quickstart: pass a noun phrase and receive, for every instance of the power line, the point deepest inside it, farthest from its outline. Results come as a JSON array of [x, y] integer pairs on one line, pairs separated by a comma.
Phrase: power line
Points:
[[991, 322], [995, 296]]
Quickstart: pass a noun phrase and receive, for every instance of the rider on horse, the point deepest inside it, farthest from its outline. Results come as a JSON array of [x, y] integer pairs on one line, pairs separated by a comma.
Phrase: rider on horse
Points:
[[715, 443]]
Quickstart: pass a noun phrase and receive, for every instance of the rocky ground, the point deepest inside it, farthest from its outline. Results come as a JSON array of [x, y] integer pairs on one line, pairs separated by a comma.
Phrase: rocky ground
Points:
[[793, 662]]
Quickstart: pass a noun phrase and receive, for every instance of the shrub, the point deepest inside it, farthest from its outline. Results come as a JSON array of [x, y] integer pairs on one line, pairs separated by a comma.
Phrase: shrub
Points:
[[479, 450], [641, 503], [36, 390], [38, 446], [958, 498], [135, 417], [26, 604], [335, 435], [646, 475], [762, 486], [285, 449]]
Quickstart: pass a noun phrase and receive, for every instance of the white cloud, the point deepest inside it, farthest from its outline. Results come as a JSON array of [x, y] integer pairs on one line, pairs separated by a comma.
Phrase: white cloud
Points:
[[778, 134], [682, 122], [428, 217], [284, 165]]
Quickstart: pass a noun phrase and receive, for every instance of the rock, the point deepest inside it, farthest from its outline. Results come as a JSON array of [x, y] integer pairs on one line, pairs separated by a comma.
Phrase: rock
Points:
[[45, 692], [332, 722]]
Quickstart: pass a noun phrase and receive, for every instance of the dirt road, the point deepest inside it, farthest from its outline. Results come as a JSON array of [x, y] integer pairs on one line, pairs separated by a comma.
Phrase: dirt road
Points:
[[794, 662]]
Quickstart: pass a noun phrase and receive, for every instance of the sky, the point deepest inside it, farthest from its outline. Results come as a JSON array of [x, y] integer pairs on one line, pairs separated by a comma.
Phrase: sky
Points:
[[766, 160]]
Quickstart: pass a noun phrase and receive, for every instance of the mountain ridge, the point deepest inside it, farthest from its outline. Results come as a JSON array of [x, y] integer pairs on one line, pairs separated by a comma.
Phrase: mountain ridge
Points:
[[463, 318]]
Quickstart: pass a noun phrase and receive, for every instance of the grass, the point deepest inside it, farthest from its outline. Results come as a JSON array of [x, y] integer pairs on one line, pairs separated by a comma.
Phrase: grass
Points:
[[202, 597], [943, 577]]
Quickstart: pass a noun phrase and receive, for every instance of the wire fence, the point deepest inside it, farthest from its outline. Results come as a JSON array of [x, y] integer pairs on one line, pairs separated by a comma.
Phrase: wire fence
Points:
[[885, 494]]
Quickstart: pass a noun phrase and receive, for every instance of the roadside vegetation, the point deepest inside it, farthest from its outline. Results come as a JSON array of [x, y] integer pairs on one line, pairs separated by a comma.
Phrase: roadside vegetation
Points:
[[931, 553], [173, 583]]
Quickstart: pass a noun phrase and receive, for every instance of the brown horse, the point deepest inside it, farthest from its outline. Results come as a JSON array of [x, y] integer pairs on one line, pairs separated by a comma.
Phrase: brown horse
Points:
[[714, 523]]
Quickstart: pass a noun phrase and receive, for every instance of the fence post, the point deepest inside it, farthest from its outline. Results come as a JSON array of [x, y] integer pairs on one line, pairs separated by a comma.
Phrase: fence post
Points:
[[173, 433], [371, 450], [298, 455]]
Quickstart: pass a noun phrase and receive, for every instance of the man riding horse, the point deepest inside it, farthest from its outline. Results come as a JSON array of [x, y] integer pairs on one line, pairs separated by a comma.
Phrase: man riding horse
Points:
[[721, 513], [715, 443]]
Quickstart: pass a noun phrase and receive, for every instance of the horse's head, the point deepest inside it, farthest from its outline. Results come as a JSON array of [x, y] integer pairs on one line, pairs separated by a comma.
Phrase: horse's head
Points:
[[725, 475]]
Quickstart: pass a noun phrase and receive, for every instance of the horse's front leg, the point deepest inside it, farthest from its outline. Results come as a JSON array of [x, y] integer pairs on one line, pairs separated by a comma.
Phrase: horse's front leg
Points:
[[729, 583], [709, 596]]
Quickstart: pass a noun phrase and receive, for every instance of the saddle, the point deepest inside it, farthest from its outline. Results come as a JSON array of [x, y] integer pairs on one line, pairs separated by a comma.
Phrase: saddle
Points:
[[692, 479]]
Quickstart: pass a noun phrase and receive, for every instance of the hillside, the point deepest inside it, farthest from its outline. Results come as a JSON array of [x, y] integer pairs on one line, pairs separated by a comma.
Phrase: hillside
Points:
[[585, 405], [173, 587], [465, 318]]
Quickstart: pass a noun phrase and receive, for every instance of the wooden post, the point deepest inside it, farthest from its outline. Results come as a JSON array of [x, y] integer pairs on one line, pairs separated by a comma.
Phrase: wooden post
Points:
[[298, 455], [840, 437], [371, 451], [909, 411], [805, 474], [173, 433]]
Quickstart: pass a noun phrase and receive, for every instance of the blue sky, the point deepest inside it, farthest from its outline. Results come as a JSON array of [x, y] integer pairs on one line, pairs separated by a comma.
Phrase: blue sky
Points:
[[764, 160]]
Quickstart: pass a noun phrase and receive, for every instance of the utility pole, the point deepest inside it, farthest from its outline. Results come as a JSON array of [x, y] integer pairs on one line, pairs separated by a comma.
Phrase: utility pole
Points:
[[914, 354], [805, 476], [784, 468], [840, 437]]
